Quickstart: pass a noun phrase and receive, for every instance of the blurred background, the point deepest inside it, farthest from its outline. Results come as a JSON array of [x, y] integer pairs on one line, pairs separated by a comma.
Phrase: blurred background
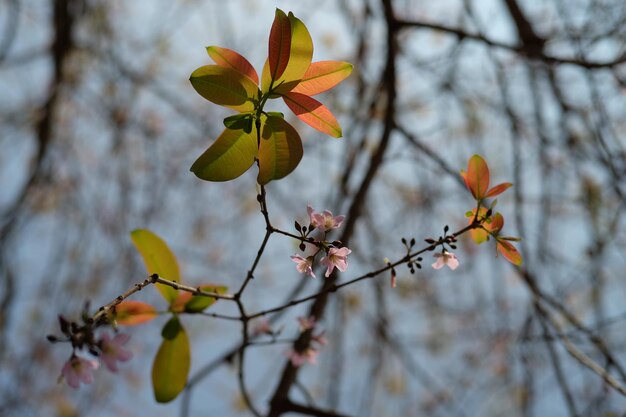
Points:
[[99, 126]]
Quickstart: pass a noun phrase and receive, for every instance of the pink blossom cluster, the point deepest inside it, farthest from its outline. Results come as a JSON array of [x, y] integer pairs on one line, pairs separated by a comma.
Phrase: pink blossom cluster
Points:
[[78, 369], [310, 353], [335, 257]]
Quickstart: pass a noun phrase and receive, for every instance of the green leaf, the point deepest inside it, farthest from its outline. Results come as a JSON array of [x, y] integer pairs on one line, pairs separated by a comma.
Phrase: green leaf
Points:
[[313, 113], [159, 259], [322, 76], [226, 87], [172, 362], [280, 151], [238, 121], [228, 157], [198, 303], [225, 57]]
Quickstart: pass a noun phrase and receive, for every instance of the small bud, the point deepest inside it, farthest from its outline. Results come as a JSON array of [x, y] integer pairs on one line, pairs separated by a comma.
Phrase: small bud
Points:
[[403, 240], [429, 241], [297, 226], [65, 325], [446, 228], [412, 242], [302, 247], [52, 338]]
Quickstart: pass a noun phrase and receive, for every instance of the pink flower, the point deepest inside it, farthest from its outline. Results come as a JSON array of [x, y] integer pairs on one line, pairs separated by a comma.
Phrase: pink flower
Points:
[[324, 221], [446, 258], [77, 370], [262, 326], [300, 358], [306, 323], [320, 338], [304, 265], [335, 258], [113, 351]]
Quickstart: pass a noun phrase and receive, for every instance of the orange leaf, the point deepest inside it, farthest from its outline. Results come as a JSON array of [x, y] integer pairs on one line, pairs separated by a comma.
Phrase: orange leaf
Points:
[[477, 177], [279, 44], [322, 76], [131, 313], [313, 113], [497, 223], [498, 189], [509, 252], [225, 57]]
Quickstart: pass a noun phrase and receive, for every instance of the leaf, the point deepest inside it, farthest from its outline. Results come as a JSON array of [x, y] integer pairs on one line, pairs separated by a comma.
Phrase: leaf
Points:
[[498, 189], [322, 76], [279, 44], [159, 259], [132, 313], [189, 303], [225, 86], [477, 177], [508, 251], [225, 57], [479, 235], [232, 153], [266, 77], [300, 53], [497, 223], [313, 113], [172, 362], [239, 121], [280, 151]]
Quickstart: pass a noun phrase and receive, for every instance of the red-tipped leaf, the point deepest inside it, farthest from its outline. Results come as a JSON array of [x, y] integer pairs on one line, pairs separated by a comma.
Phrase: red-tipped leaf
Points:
[[313, 113], [225, 57], [279, 44]]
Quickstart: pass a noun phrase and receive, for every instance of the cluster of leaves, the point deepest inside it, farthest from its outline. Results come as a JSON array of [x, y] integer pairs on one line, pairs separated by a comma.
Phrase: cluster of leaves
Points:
[[254, 134], [489, 223], [173, 359]]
